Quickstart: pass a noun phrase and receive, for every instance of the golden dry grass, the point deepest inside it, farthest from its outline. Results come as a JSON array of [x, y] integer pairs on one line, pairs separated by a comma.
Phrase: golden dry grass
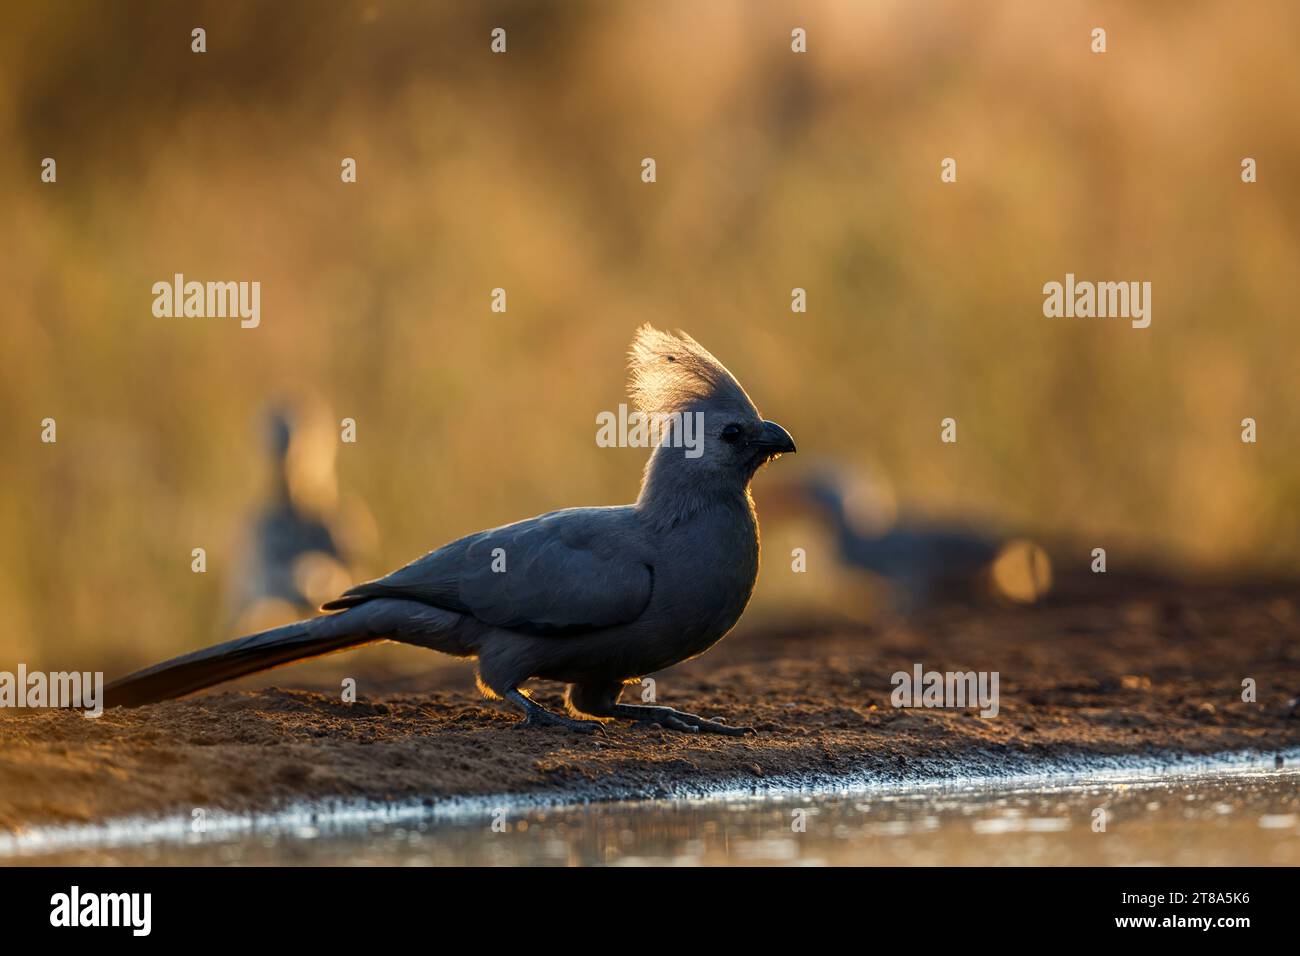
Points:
[[521, 171]]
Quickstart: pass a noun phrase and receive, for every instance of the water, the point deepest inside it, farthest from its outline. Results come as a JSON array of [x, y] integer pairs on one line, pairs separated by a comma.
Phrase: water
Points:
[[1243, 815]]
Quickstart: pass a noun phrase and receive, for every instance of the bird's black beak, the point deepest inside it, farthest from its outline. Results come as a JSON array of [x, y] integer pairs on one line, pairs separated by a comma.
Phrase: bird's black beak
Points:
[[774, 440]]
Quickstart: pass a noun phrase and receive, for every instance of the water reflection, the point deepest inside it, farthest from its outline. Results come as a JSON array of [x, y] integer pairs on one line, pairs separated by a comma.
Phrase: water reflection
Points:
[[1233, 817]]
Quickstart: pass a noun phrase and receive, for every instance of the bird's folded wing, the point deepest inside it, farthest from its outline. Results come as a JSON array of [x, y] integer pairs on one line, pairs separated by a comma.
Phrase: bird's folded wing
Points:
[[567, 572]]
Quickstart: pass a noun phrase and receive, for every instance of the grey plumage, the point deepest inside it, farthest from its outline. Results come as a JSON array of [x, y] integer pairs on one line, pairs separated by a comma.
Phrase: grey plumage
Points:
[[592, 597]]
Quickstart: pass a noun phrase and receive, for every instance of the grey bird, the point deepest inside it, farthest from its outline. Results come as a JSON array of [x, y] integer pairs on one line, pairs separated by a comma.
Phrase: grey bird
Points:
[[929, 562], [592, 597], [285, 533]]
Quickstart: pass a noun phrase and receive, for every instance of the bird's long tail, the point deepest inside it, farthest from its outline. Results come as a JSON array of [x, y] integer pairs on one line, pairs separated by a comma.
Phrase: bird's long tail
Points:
[[244, 655]]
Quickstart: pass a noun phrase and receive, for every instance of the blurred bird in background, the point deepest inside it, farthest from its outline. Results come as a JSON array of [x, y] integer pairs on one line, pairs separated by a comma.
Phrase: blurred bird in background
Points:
[[924, 562], [299, 546]]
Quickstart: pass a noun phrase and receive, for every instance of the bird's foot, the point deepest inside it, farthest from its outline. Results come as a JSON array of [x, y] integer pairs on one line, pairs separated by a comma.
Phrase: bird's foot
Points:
[[678, 720], [535, 715], [548, 719]]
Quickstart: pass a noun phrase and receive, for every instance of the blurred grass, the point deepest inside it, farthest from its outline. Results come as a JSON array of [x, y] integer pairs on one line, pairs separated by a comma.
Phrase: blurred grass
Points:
[[522, 171]]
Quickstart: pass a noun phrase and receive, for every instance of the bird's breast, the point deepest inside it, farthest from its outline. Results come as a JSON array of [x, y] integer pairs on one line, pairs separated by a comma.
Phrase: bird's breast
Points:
[[704, 583]]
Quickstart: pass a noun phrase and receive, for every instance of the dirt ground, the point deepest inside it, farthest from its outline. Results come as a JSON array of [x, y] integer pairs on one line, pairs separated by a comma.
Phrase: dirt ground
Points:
[[1113, 674]]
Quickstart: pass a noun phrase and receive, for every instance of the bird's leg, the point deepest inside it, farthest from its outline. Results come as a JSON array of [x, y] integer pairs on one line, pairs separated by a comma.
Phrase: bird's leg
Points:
[[676, 720], [535, 715], [601, 700]]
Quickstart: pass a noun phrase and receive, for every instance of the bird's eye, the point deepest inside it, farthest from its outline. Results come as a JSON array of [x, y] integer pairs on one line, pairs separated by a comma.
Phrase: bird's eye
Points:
[[731, 433]]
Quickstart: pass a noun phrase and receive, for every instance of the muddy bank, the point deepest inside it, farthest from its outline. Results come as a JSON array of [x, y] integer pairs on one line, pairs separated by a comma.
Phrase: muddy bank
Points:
[[1116, 676]]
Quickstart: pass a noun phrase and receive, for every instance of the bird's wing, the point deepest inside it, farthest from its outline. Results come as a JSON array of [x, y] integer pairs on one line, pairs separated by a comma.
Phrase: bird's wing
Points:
[[566, 572]]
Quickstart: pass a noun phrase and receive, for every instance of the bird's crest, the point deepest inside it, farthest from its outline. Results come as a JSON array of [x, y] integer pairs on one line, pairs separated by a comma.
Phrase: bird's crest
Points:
[[671, 372]]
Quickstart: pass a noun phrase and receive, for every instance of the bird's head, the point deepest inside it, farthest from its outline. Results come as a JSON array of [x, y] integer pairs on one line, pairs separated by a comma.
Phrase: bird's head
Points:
[[712, 431], [279, 431]]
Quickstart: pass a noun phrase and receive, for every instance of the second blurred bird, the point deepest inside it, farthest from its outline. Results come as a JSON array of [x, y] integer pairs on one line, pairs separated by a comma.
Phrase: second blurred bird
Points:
[[299, 546], [925, 562]]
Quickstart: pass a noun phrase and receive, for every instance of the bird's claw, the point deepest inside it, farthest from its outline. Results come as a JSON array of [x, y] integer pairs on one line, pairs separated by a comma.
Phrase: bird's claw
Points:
[[535, 715], [667, 723], [670, 719], [715, 727], [555, 720]]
